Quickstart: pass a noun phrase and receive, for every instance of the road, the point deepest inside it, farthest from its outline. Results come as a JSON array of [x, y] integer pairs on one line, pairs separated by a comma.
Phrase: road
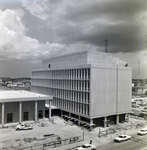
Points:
[[136, 143]]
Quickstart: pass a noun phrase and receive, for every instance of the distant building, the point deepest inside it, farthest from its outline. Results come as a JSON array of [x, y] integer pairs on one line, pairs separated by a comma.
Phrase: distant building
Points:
[[139, 87], [86, 87]]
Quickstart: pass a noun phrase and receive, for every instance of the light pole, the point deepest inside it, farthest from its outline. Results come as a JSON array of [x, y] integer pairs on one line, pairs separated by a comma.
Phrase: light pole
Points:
[[83, 134]]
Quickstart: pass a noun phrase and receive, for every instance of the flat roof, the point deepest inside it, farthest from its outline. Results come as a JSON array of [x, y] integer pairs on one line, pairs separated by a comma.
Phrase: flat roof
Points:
[[21, 95]]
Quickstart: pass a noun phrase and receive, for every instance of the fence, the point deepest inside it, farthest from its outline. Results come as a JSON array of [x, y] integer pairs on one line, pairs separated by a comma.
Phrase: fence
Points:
[[55, 142]]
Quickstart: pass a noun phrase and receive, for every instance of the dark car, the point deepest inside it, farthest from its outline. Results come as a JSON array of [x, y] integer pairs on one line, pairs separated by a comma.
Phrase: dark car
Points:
[[143, 114]]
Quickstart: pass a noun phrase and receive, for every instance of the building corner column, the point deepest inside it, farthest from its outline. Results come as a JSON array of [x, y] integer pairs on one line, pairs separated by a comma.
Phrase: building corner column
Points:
[[3, 111], [20, 112], [36, 110], [128, 118], [105, 122], [91, 124], [117, 119], [49, 109]]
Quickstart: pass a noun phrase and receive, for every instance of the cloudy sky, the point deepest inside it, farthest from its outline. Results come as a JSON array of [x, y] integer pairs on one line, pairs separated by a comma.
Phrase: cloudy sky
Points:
[[33, 30]]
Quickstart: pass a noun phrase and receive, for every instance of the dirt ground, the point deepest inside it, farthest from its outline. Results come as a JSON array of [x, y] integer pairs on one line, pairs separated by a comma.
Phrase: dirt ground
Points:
[[12, 139]]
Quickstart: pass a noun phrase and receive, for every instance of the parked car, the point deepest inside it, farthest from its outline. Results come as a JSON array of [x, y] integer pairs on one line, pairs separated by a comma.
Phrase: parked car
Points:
[[142, 104], [132, 113], [143, 114], [24, 127], [144, 110], [135, 105], [87, 147], [142, 131], [122, 138]]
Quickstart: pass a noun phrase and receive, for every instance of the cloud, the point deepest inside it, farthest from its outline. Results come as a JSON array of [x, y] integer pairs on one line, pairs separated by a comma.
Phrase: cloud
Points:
[[36, 30], [142, 56], [91, 22], [37, 8], [14, 44]]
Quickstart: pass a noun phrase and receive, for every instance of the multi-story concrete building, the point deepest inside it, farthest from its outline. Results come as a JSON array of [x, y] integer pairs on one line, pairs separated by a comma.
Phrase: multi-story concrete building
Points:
[[86, 86]]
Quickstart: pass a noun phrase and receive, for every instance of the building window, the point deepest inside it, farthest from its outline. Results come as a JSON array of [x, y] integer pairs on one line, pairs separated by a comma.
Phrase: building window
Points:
[[40, 114], [26, 116], [9, 117], [49, 65], [88, 73]]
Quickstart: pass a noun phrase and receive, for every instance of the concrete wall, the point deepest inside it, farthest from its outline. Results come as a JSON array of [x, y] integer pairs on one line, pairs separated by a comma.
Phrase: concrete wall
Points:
[[80, 58], [41, 106], [103, 92], [100, 59], [124, 89], [110, 91], [29, 107], [11, 108], [66, 60]]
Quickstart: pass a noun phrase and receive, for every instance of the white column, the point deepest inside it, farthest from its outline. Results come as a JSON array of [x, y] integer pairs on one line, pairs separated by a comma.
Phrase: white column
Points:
[[36, 110], [20, 112], [91, 123], [128, 118], [105, 122], [3, 108], [117, 119], [87, 73], [49, 109], [84, 109], [78, 108]]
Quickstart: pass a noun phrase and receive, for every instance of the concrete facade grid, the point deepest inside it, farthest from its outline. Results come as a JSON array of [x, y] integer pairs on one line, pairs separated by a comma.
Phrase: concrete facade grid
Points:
[[70, 88]]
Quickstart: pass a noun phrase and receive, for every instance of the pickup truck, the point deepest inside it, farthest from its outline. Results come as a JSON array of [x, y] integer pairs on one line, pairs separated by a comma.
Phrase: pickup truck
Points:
[[24, 127]]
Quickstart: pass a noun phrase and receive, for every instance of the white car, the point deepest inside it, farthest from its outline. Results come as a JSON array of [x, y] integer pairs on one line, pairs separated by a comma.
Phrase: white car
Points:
[[142, 131], [87, 147], [24, 127], [144, 110], [122, 138]]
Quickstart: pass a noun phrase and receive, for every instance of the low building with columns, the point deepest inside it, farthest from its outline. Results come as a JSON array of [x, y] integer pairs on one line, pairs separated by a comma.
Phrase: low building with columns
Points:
[[20, 106], [87, 87]]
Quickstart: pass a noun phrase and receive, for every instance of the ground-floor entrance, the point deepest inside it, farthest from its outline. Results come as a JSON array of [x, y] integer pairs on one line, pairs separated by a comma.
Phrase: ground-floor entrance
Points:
[[54, 112]]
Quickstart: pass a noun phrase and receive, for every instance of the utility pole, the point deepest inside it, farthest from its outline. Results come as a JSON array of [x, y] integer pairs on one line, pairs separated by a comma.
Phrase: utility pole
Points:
[[138, 72]]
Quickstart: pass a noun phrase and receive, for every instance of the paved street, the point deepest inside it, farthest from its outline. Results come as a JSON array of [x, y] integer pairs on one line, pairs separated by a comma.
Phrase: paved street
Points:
[[136, 143]]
